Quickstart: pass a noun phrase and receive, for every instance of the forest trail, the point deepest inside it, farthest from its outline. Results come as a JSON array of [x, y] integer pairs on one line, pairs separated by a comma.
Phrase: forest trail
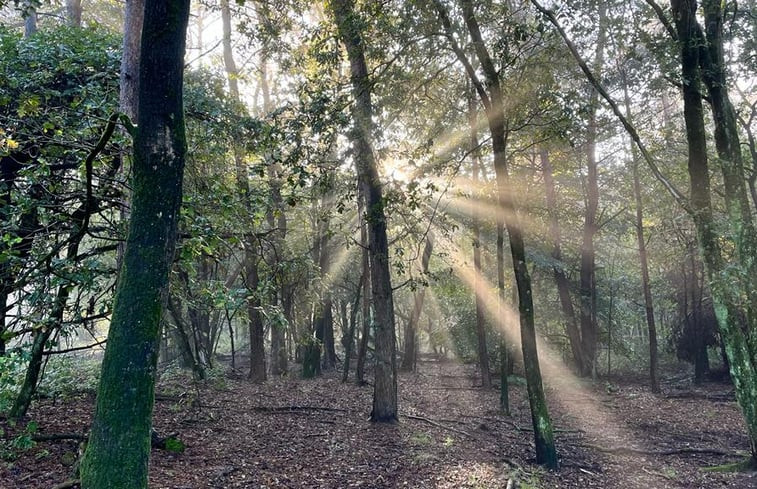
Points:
[[315, 434]]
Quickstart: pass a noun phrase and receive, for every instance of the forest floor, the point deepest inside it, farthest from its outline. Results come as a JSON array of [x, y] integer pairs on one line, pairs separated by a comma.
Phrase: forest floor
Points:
[[315, 434]]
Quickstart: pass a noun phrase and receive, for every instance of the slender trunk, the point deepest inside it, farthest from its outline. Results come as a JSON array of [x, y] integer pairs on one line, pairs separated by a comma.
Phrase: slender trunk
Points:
[[365, 313], [642, 245], [349, 341], [385, 386], [409, 359], [542, 425], [506, 360], [479, 288], [119, 444], [588, 285], [563, 285]]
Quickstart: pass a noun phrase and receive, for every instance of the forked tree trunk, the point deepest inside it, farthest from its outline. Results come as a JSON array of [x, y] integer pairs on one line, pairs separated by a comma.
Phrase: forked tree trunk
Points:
[[385, 386], [119, 444]]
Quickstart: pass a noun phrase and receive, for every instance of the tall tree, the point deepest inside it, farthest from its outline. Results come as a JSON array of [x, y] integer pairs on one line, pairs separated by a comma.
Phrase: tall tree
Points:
[[385, 387], [588, 281], [732, 275], [491, 96], [642, 246], [119, 444]]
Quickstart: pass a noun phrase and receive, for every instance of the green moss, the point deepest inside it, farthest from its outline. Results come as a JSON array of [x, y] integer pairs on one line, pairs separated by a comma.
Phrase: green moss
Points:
[[746, 465], [175, 445]]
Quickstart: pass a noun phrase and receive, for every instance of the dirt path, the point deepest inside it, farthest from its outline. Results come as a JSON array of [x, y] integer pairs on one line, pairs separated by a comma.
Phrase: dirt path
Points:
[[315, 434]]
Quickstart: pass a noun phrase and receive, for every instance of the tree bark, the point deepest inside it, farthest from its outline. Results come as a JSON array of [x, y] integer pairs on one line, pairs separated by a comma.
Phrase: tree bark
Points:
[[365, 312], [385, 386], [73, 12], [30, 21], [119, 444], [255, 317]]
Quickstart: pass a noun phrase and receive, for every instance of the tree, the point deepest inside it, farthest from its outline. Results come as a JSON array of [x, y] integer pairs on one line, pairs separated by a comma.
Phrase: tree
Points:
[[731, 275], [119, 444], [385, 388], [492, 98]]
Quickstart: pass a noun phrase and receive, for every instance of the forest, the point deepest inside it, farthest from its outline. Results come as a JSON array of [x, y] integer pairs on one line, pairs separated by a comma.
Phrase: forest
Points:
[[360, 243]]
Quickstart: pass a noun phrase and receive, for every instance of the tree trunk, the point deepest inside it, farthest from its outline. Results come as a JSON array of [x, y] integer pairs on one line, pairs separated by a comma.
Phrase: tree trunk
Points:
[[255, 317], [479, 286], [588, 285], [385, 386], [119, 443], [731, 282], [409, 359], [129, 83], [561, 280], [365, 313], [73, 12], [350, 339], [643, 261], [542, 425], [30, 21]]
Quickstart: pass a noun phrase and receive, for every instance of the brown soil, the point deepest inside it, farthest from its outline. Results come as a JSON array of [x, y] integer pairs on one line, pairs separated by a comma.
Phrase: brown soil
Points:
[[315, 434]]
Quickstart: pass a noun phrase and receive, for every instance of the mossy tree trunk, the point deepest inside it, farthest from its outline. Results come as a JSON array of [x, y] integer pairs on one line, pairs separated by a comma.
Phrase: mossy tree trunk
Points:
[[385, 385], [731, 277], [119, 445]]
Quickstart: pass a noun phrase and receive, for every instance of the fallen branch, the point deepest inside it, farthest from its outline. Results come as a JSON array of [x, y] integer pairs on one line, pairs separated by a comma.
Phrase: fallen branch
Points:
[[439, 425], [59, 436]]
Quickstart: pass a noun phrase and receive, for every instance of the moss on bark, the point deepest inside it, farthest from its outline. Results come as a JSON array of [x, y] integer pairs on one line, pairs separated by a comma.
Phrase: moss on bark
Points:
[[118, 450]]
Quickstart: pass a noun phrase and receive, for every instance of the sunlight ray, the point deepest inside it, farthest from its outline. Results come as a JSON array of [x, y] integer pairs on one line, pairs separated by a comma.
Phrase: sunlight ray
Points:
[[566, 388]]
